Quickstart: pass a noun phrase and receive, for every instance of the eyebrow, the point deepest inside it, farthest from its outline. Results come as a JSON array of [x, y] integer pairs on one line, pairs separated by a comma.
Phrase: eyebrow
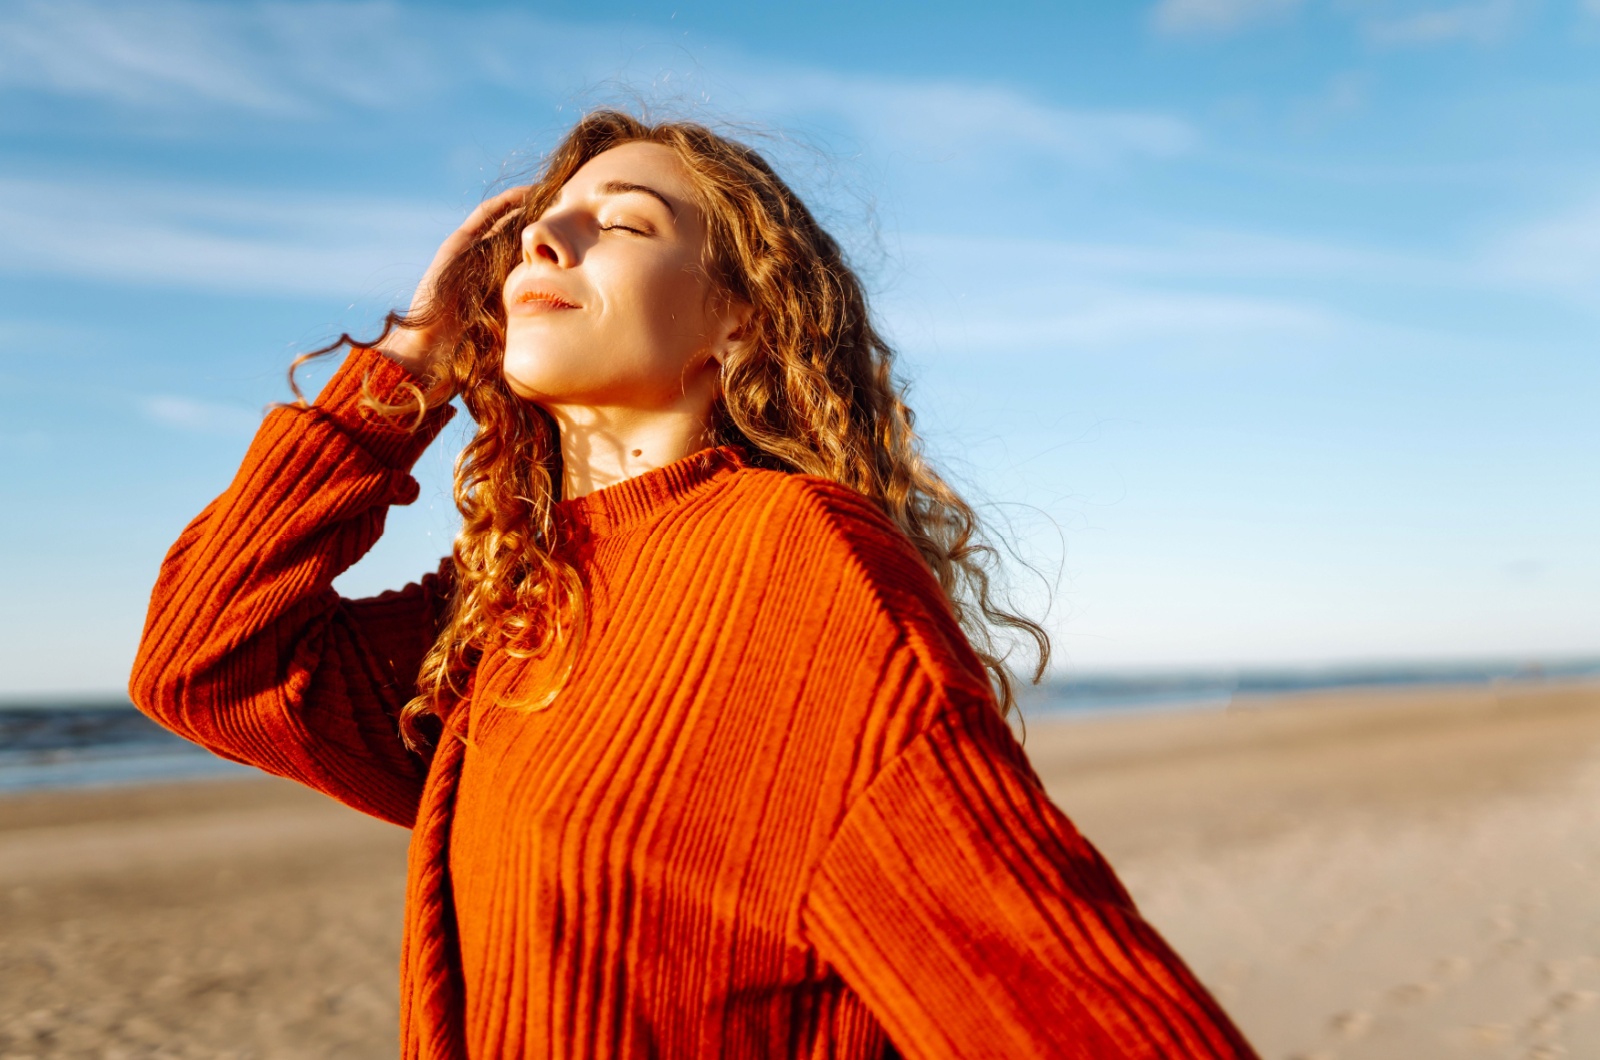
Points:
[[622, 187]]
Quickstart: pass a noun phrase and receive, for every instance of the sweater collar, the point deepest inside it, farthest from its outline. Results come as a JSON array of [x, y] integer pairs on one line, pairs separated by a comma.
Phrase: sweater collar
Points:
[[628, 503]]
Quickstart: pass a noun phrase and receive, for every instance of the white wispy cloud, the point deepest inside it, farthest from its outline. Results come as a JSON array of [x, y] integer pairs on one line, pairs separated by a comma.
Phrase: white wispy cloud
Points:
[[1215, 16], [270, 58], [1187, 251], [201, 417], [299, 60], [1109, 318], [1200, 289], [1484, 21], [1558, 254], [930, 118], [1487, 22], [1032, 295], [209, 239]]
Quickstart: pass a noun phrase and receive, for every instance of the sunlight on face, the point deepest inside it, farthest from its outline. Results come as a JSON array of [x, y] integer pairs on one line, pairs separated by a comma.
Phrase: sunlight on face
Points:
[[610, 305]]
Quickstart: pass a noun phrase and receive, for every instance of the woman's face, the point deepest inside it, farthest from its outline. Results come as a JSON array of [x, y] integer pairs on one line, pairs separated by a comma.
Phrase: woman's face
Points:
[[610, 305]]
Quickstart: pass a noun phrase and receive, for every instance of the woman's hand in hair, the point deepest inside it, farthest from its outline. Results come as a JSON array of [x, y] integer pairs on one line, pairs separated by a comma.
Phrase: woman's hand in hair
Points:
[[414, 348]]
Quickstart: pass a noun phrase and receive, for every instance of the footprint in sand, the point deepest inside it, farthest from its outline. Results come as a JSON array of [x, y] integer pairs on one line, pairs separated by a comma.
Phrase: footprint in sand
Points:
[[1412, 993], [1491, 1033], [1501, 920], [1575, 1000], [1326, 941], [1557, 973], [1546, 1026], [1351, 1024]]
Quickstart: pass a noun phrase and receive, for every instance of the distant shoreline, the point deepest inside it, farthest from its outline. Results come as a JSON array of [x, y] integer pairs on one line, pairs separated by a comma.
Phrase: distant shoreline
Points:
[[1136, 686], [69, 742], [1109, 692]]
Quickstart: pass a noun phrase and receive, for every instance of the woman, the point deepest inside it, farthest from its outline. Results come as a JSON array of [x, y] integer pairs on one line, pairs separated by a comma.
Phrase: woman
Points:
[[698, 756]]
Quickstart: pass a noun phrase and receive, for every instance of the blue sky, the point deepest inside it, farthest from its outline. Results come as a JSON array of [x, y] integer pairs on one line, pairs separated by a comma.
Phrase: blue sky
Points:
[[1265, 327]]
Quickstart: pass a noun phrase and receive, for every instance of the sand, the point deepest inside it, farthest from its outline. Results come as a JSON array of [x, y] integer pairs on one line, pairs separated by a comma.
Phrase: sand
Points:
[[1384, 874]]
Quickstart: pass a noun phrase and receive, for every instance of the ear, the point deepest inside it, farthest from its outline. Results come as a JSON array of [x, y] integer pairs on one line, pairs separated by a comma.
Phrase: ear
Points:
[[733, 329]]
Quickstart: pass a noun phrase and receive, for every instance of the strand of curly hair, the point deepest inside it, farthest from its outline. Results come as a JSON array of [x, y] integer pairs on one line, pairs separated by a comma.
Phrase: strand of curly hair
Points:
[[810, 389]]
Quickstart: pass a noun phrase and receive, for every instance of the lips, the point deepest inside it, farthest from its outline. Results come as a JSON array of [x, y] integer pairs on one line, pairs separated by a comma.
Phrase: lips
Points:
[[538, 298]]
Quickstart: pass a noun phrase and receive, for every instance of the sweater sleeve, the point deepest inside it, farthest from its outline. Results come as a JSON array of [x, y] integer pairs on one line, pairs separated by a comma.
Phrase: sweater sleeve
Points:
[[248, 650], [975, 921]]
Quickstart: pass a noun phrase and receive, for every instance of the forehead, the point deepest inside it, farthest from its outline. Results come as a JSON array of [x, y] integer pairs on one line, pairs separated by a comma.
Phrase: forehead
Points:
[[653, 165]]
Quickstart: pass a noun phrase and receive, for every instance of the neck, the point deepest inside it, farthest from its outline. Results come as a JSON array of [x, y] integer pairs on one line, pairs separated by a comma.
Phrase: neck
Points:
[[603, 446]]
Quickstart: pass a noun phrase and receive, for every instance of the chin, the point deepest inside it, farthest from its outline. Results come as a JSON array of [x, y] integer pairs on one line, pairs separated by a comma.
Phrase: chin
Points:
[[534, 374]]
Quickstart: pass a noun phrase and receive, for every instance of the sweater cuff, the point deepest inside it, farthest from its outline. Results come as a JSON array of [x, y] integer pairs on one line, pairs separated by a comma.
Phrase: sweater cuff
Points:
[[391, 442]]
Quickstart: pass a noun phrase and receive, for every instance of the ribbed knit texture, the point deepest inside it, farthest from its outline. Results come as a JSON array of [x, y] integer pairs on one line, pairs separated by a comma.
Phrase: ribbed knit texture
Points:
[[773, 813]]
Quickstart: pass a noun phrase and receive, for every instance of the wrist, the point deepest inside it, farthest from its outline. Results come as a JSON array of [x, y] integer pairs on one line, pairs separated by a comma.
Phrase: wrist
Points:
[[369, 372], [405, 349]]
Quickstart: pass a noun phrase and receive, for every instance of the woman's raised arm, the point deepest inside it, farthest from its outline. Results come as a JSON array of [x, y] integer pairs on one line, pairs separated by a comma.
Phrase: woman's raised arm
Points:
[[248, 650]]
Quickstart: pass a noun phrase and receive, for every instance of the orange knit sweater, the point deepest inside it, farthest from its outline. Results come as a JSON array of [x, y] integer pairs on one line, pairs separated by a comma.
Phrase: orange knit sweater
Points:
[[773, 813]]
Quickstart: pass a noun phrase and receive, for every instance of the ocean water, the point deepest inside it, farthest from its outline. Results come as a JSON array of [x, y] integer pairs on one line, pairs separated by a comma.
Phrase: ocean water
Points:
[[69, 745], [73, 745]]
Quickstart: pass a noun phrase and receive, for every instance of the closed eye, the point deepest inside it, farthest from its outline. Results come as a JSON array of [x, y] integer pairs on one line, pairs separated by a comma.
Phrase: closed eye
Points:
[[625, 228]]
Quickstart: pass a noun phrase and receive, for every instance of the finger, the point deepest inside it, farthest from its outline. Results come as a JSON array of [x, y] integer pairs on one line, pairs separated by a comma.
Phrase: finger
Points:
[[504, 220], [503, 203], [473, 228]]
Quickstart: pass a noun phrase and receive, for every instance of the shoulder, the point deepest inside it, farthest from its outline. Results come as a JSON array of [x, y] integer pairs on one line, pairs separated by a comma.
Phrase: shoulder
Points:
[[832, 506], [834, 548], [822, 517]]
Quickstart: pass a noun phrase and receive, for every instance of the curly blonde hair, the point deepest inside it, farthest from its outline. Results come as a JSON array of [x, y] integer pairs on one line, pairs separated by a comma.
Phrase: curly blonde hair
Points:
[[809, 389]]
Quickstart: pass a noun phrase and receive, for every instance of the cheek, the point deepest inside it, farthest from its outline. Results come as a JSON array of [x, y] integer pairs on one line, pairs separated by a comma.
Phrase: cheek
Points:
[[664, 308]]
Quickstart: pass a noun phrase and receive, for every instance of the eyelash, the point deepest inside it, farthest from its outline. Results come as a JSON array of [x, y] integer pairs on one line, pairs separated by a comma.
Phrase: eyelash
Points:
[[625, 228]]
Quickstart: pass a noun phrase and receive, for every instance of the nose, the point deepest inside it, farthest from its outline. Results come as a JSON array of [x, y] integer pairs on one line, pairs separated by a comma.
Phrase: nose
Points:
[[542, 242]]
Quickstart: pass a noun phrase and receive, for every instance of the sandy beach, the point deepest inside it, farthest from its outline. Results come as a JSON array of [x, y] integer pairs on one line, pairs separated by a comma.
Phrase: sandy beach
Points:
[[1376, 874]]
